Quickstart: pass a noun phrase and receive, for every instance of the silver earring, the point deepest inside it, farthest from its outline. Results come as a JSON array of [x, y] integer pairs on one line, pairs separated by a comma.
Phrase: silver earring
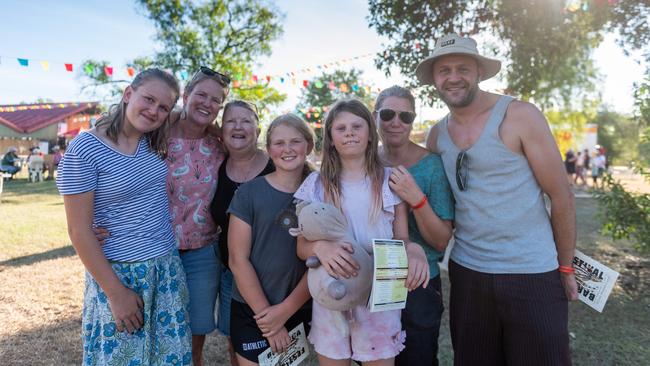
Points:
[[184, 114]]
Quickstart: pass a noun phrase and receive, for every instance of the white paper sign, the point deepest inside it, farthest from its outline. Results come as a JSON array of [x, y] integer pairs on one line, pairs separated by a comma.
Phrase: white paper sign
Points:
[[389, 275], [294, 355], [595, 280]]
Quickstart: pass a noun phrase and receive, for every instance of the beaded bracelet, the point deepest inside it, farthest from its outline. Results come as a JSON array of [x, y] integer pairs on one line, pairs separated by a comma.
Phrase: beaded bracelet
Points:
[[566, 269], [420, 204]]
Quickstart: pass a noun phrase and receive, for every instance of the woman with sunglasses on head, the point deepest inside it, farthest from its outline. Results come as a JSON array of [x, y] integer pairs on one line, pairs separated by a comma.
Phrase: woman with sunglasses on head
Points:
[[244, 161], [195, 155], [419, 179]]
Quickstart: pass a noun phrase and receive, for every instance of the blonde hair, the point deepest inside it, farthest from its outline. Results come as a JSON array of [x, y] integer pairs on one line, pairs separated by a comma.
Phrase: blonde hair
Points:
[[331, 166], [114, 118], [297, 123], [198, 77], [394, 91]]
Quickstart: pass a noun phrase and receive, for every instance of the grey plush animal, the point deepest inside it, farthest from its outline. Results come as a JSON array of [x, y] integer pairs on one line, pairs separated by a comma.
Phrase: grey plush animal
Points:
[[322, 221]]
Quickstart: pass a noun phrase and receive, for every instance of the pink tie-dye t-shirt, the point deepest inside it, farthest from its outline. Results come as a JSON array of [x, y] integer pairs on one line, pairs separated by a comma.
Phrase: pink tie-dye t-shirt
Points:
[[191, 182]]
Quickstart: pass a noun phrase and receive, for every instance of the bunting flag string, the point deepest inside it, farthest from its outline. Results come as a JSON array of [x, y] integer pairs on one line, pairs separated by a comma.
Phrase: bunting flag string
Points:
[[239, 80]]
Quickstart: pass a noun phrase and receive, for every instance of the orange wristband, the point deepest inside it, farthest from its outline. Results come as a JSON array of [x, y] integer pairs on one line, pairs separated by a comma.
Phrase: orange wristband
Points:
[[420, 204], [566, 269]]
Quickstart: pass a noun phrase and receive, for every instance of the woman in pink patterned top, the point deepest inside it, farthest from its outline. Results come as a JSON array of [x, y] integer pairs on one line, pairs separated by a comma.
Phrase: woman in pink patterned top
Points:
[[194, 156]]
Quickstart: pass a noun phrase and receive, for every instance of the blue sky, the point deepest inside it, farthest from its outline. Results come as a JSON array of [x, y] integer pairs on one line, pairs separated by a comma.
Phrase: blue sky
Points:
[[315, 32]]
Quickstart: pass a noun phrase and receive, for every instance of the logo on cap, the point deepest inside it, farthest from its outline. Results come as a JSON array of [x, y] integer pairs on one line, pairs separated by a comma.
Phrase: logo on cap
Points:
[[448, 43]]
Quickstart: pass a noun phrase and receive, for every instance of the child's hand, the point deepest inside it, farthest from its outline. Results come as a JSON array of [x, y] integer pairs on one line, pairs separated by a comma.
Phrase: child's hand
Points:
[[336, 258], [418, 267], [126, 307], [101, 234], [272, 319], [280, 341]]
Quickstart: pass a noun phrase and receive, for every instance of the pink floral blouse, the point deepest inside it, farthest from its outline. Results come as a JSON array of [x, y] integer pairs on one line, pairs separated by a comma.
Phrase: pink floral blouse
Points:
[[193, 166]]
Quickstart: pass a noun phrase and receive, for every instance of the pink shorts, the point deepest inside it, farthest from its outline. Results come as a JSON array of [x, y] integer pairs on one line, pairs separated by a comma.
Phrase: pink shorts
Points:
[[357, 334]]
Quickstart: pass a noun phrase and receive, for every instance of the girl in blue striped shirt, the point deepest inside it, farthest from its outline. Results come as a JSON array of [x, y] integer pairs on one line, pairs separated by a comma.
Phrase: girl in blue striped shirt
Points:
[[113, 176]]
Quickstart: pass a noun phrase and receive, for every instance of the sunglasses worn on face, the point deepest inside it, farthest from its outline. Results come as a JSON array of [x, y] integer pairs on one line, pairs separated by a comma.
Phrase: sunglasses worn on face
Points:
[[462, 170], [223, 79], [387, 114]]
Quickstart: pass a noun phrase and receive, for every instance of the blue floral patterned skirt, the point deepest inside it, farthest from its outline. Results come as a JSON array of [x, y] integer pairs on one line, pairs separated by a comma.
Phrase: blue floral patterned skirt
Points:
[[165, 338]]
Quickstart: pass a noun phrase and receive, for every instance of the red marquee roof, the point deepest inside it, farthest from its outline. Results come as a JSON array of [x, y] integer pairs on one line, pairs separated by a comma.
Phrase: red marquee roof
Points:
[[27, 118]]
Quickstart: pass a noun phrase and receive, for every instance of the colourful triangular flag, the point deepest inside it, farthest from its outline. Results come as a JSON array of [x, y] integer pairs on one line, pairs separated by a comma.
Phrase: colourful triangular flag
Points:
[[68, 67], [23, 62], [89, 69], [45, 65], [108, 70]]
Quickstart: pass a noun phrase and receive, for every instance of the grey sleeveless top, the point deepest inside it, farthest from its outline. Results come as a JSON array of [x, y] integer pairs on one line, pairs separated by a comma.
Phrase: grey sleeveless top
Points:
[[502, 225]]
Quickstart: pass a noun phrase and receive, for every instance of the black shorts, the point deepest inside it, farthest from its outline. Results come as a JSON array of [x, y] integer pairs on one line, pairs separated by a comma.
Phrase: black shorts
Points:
[[247, 339], [508, 319]]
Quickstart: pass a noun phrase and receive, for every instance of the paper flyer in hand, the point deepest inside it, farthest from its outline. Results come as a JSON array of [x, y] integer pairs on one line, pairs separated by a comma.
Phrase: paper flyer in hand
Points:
[[595, 280], [389, 275], [294, 355]]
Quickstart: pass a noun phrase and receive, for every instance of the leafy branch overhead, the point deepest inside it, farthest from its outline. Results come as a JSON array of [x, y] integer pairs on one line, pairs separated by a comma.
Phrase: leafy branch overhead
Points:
[[322, 91], [546, 47], [224, 35]]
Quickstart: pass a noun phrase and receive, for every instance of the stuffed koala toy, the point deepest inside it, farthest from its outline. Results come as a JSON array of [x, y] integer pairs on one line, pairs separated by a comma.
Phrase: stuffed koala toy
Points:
[[322, 221]]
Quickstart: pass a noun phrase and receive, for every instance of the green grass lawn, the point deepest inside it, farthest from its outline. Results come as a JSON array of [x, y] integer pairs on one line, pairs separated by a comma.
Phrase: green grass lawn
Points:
[[34, 234], [33, 219]]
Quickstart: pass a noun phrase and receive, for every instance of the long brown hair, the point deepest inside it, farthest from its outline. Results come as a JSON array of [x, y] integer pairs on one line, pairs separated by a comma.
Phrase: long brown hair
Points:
[[299, 125], [331, 166], [114, 118]]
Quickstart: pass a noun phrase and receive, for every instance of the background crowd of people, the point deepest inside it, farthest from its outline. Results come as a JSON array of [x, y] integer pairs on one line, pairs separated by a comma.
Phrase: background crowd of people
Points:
[[584, 165]]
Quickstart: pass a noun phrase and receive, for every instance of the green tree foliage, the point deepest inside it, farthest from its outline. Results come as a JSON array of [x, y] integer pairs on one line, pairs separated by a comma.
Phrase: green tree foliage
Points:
[[621, 137], [224, 35], [642, 103], [625, 214], [324, 90], [546, 48]]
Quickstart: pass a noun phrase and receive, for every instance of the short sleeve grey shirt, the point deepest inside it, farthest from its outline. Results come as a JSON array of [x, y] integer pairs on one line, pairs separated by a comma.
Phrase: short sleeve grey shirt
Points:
[[270, 213]]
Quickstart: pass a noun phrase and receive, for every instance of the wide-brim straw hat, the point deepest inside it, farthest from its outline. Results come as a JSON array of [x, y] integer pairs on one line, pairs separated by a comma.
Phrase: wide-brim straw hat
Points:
[[453, 44]]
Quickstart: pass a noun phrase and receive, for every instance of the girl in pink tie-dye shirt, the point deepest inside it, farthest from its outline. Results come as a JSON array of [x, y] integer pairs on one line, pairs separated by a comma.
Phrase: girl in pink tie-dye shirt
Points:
[[354, 180]]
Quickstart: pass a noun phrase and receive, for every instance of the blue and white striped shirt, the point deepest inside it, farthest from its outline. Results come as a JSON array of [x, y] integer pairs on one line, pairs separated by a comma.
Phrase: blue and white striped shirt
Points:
[[130, 199]]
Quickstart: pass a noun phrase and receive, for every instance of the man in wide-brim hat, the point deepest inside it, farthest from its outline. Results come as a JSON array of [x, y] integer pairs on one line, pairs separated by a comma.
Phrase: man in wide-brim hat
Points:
[[511, 267]]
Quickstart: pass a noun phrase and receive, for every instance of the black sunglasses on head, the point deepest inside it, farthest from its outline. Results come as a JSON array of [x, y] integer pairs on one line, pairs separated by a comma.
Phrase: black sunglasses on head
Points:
[[223, 79], [462, 170], [387, 114]]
